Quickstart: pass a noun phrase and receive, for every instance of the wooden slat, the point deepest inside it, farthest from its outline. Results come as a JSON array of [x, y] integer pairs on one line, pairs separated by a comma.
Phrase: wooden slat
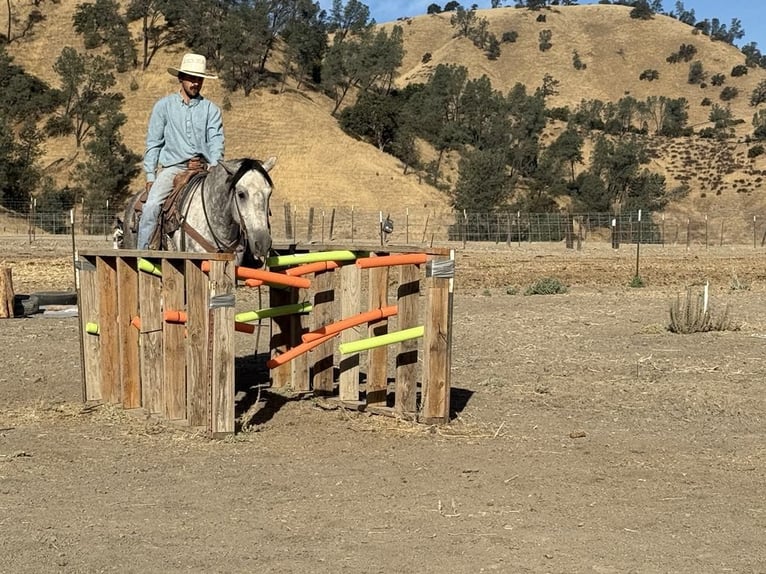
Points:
[[173, 397], [407, 295], [281, 336], [436, 351], [377, 359], [299, 366], [198, 391], [89, 312], [221, 342], [109, 338], [350, 287], [323, 314], [150, 312], [127, 308]]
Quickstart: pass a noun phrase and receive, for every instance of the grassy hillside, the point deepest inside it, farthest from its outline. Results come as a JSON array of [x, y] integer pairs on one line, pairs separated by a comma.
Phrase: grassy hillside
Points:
[[320, 166]]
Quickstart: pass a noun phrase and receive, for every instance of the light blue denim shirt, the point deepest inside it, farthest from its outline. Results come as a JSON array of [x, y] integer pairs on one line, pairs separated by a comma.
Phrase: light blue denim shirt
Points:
[[179, 131]]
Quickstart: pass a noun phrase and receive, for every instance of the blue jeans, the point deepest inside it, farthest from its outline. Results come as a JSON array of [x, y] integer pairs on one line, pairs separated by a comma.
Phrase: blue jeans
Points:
[[161, 189]]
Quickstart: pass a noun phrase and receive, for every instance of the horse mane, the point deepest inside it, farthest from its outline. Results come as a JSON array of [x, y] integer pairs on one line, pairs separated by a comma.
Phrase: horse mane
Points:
[[249, 164]]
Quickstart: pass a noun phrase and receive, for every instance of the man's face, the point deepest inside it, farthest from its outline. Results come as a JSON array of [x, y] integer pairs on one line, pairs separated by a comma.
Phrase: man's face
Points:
[[191, 85]]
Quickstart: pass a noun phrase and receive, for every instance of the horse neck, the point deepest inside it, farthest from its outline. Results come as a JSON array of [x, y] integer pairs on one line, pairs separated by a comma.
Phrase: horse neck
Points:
[[217, 204]]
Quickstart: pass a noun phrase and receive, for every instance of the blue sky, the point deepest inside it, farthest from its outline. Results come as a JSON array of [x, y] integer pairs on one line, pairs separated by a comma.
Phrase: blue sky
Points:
[[749, 12]]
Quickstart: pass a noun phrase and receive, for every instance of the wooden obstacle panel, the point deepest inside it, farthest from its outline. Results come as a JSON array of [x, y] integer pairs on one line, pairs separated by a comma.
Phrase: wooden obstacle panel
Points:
[[181, 372], [423, 297]]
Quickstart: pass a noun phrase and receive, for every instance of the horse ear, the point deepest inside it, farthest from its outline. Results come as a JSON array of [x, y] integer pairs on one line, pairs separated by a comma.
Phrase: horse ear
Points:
[[228, 167], [269, 163]]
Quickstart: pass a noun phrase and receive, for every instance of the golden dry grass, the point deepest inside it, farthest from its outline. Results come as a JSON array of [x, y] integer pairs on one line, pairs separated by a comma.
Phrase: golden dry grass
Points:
[[320, 166]]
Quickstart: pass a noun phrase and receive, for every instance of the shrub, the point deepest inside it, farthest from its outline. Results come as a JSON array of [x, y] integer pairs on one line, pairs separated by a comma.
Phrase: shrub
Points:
[[717, 79], [510, 37], [729, 93], [546, 286], [577, 62], [706, 102], [545, 40], [426, 58], [690, 316], [649, 75], [739, 70], [637, 282], [755, 151], [696, 73]]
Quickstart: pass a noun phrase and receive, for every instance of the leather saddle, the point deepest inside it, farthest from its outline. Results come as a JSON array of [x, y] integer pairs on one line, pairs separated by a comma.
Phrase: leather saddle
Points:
[[171, 218]]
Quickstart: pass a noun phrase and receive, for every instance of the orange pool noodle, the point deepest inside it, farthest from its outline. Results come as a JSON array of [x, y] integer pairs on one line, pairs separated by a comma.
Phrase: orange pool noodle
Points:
[[308, 268], [343, 324], [296, 351], [265, 276], [390, 260]]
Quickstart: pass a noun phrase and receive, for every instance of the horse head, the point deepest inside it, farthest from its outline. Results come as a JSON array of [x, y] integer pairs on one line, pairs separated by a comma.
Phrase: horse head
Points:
[[251, 186]]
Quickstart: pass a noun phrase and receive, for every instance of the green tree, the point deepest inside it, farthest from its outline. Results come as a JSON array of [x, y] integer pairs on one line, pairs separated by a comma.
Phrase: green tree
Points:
[[23, 96], [759, 124], [21, 20], [369, 59], [568, 148], [684, 15], [156, 32], [465, 21], [641, 10], [101, 24], [109, 165], [305, 37], [19, 152], [758, 95], [353, 17], [244, 43], [484, 184], [85, 82], [199, 25], [374, 118]]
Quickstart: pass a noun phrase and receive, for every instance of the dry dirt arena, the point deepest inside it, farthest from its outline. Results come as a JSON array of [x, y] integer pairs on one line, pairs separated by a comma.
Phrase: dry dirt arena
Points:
[[585, 437]]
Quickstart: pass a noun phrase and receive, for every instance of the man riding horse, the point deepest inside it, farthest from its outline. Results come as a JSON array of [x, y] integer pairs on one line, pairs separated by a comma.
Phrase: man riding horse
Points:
[[185, 134]]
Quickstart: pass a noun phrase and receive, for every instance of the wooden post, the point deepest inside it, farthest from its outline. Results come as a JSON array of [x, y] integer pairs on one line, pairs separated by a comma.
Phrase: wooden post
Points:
[[150, 306], [281, 339], [323, 308], [377, 359], [109, 349], [6, 293], [350, 283], [127, 308], [437, 354], [89, 314], [407, 295], [198, 390], [221, 344], [174, 349]]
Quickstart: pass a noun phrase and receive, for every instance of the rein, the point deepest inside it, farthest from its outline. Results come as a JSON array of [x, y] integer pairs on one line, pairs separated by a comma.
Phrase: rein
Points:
[[220, 246]]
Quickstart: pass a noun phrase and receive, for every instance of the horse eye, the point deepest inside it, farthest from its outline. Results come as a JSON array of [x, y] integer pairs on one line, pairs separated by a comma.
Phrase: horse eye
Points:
[[241, 194]]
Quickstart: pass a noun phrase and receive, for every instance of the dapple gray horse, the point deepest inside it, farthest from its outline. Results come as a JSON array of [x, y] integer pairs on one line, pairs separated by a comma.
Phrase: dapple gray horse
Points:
[[228, 208]]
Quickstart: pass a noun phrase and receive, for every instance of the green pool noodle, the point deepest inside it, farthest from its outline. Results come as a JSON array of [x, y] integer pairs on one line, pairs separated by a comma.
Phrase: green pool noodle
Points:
[[246, 316], [149, 267], [302, 258], [381, 340]]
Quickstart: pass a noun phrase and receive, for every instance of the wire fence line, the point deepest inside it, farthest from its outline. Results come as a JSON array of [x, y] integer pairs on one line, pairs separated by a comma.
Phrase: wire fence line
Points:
[[409, 226]]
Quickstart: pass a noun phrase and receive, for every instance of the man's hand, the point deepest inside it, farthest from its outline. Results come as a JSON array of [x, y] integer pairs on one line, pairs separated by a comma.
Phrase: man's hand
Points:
[[195, 164]]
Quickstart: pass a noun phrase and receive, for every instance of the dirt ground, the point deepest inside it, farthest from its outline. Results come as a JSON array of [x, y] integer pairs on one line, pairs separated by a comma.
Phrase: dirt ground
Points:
[[585, 437]]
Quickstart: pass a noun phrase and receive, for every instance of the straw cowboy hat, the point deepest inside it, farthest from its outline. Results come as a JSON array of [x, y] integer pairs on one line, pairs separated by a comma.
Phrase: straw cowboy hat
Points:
[[192, 65]]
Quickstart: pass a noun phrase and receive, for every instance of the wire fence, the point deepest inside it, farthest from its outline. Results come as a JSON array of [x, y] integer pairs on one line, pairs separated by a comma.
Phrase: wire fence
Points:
[[422, 226]]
